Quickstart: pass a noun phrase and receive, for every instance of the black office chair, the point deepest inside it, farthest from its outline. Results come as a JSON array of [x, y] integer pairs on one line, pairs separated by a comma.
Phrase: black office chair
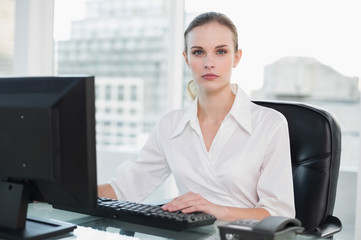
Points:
[[315, 139]]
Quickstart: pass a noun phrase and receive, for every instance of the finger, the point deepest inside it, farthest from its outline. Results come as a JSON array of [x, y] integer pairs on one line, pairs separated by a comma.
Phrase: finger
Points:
[[185, 203], [190, 209], [178, 200]]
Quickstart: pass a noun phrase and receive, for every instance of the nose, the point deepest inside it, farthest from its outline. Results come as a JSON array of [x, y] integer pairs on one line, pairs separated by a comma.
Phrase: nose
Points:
[[208, 62]]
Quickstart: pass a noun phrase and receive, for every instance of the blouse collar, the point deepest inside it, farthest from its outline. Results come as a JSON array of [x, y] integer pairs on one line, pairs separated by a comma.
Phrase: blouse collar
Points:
[[240, 111]]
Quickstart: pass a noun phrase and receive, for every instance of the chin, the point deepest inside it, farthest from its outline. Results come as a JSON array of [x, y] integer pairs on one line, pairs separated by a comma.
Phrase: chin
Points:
[[212, 85]]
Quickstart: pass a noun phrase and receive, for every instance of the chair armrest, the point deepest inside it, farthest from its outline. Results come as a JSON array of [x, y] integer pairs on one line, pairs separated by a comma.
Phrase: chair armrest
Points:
[[328, 228]]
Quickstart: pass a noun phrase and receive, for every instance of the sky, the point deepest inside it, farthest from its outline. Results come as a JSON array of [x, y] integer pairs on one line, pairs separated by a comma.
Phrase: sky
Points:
[[327, 30], [65, 12]]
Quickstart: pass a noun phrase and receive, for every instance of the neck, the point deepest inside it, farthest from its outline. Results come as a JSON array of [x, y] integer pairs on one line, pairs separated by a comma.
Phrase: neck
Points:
[[216, 105]]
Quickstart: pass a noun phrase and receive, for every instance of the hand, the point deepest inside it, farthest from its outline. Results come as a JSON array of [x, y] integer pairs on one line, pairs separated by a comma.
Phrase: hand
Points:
[[194, 202], [106, 190]]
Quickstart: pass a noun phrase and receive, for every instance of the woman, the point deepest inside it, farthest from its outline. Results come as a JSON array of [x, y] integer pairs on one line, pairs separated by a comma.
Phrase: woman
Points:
[[229, 157]]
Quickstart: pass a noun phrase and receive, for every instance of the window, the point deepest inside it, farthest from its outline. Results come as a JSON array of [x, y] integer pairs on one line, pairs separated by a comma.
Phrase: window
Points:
[[133, 93], [125, 44], [133, 111], [98, 41], [108, 93], [121, 93], [299, 50], [279, 38]]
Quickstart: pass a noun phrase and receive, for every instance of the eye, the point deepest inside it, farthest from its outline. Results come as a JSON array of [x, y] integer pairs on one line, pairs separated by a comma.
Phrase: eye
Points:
[[197, 52], [221, 52]]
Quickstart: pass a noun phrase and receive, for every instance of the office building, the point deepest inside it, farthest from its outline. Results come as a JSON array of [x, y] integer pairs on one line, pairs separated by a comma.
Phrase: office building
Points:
[[124, 44], [307, 80], [120, 111]]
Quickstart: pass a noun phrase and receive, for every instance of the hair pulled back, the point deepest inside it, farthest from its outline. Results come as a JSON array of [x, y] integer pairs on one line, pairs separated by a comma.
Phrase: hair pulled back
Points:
[[211, 17]]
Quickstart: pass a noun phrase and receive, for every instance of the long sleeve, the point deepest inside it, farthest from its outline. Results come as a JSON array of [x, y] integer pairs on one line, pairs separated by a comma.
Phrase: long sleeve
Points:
[[135, 180], [275, 185]]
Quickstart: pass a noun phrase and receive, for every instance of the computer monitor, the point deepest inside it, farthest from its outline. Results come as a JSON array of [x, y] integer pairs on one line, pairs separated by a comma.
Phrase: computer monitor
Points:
[[47, 151]]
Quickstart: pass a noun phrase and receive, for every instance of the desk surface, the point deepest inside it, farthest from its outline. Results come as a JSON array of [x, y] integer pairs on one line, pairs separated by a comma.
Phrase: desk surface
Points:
[[44, 210]]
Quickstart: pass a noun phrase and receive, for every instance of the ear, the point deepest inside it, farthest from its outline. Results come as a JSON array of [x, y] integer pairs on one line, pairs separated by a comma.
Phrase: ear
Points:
[[186, 58], [237, 58]]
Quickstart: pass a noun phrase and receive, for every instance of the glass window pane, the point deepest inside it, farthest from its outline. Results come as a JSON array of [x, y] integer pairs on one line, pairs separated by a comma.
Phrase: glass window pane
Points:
[[125, 45]]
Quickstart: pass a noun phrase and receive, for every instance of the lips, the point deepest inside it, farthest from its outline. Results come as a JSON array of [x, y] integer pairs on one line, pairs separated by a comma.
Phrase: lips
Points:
[[209, 76]]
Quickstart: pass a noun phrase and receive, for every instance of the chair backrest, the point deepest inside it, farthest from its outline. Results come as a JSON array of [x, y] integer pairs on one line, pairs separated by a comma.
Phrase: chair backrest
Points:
[[315, 139]]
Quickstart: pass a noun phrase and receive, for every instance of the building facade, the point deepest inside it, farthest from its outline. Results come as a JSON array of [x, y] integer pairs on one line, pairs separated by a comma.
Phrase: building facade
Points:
[[124, 44]]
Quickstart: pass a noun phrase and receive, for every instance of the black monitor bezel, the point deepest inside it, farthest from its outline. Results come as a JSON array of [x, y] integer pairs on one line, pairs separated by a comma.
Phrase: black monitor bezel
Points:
[[70, 181]]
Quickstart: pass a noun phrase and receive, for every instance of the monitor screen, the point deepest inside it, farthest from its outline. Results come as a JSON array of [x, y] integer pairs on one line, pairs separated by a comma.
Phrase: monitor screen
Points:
[[47, 146]]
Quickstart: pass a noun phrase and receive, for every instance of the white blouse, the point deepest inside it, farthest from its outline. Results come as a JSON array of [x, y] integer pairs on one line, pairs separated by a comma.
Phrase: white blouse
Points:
[[248, 164]]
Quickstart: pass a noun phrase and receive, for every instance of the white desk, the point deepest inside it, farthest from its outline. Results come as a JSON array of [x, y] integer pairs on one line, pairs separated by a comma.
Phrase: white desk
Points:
[[108, 225]]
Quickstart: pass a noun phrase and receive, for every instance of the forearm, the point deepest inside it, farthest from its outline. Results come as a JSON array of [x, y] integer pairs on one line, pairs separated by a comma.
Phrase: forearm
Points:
[[233, 213], [193, 202]]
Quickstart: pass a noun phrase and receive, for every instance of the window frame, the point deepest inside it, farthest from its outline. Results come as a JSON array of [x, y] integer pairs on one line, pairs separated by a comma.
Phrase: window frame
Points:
[[34, 47]]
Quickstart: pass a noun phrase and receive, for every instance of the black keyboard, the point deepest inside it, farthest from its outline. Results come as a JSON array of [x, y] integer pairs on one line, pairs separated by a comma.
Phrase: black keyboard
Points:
[[151, 215]]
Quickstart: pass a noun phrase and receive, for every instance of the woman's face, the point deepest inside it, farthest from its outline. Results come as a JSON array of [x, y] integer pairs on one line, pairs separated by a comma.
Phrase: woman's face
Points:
[[211, 57]]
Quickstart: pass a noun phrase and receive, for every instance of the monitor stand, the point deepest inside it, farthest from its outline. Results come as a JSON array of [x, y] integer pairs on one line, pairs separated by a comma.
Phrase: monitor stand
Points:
[[13, 221]]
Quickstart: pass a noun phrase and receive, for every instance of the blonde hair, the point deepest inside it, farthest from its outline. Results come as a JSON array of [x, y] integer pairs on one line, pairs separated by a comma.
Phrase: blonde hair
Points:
[[211, 17], [200, 20], [192, 89]]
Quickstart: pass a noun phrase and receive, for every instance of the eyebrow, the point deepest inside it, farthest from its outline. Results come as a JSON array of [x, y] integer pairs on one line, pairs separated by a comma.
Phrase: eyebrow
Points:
[[219, 46], [222, 46]]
